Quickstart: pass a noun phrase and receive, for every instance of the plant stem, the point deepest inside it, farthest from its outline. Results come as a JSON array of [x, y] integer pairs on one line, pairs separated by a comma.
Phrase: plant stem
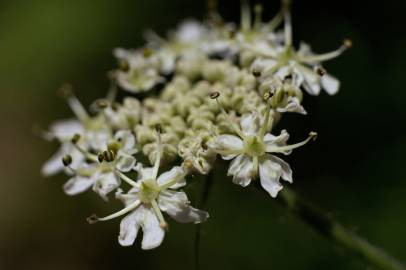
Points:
[[208, 182], [331, 229]]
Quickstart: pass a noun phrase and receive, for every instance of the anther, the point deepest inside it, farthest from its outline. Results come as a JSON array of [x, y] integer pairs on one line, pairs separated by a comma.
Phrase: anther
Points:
[[100, 157], [164, 226], [67, 160], [92, 219], [158, 128], [102, 104], [320, 71], [268, 95], [313, 135], [109, 156], [124, 66], [214, 95], [347, 43], [256, 73], [65, 91], [75, 139]]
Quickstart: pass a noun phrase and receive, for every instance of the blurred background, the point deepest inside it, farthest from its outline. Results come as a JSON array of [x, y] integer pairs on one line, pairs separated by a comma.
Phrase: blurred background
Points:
[[355, 171]]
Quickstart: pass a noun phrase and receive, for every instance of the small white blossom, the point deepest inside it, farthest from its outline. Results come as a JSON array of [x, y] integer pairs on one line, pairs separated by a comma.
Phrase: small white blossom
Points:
[[144, 202], [251, 150]]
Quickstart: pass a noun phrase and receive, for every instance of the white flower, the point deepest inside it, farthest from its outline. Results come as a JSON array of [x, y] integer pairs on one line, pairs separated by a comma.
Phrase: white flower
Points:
[[140, 70], [92, 132], [286, 96], [105, 173], [63, 131], [144, 202], [250, 153], [284, 61]]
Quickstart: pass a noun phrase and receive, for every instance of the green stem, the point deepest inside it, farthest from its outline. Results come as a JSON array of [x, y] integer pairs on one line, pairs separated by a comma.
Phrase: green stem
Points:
[[208, 183], [331, 229]]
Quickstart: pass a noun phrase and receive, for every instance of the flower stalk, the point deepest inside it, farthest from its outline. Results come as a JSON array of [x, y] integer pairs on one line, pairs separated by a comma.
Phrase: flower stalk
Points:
[[337, 233]]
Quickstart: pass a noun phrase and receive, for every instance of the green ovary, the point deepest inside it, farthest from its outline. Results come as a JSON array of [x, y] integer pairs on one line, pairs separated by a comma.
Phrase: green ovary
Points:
[[149, 191], [254, 146]]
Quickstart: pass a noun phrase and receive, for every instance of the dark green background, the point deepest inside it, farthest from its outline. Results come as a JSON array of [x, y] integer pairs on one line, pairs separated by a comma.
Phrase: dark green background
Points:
[[355, 171]]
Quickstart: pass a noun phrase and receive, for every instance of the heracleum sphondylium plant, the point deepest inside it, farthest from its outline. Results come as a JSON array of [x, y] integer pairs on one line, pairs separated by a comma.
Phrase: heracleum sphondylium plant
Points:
[[209, 90]]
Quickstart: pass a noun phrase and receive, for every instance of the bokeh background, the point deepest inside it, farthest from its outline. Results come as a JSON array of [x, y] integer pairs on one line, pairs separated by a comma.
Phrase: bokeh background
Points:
[[355, 171]]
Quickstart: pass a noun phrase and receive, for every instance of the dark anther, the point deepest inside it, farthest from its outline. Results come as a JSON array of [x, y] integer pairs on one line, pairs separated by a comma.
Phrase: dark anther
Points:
[[214, 95], [67, 160]]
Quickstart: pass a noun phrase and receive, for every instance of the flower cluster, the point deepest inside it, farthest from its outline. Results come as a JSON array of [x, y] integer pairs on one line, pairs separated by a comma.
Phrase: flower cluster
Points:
[[208, 90]]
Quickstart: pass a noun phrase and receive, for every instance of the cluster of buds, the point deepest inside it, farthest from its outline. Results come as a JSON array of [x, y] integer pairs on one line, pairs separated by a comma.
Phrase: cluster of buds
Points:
[[208, 90]]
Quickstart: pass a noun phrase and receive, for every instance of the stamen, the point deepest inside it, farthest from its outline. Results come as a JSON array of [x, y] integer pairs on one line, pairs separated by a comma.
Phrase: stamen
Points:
[[288, 23], [255, 165], [94, 219], [268, 121], [281, 149], [126, 179], [272, 24], [245, 16], [158, 213], [75, 105], [258, 16], [75, 139], [233, 124], [45, 135], [327, 56], [112, 93], [159, 150], [172, 182]]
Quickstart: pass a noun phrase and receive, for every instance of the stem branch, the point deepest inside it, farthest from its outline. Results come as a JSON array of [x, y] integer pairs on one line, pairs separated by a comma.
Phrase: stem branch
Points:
[[331, 229]]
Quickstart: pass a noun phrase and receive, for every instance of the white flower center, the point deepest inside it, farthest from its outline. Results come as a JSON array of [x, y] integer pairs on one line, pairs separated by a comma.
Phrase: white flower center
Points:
[[254, 146], [149, 191]]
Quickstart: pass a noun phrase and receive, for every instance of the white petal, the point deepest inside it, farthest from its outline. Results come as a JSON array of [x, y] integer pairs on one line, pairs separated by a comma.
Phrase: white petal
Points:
[[286, 171], [330, 84], [153, 233], [250, 124], [269, 173], [241, 168], [125, 163], [311, 80], [176, 204], [144, 173], [65, 129], [129, 227], [293, 105], [127, 198], [226, 143], [126, 138], [272, 141], [77, 184], [176, 173], [54, 164], [105, 183]]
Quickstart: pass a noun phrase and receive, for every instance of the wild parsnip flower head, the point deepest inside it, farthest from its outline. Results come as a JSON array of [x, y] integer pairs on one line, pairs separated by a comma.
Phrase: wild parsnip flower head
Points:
[[210, 89]]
